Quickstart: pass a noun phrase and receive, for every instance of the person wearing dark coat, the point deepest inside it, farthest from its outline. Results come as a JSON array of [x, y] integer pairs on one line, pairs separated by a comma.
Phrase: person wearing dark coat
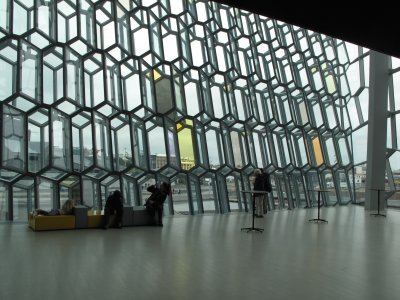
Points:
[[113, 211], [155, 203], [258, 197], [266, 187]]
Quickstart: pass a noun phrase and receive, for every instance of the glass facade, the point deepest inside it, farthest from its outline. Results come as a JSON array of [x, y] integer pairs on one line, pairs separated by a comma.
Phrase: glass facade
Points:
[[100, 95]]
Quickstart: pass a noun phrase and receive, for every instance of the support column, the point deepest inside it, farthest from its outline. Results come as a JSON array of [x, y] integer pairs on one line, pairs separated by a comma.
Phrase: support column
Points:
[[377, 130]]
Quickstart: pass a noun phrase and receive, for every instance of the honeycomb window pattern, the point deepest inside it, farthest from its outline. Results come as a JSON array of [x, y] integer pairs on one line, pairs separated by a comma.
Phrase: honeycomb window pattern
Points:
[[98, 95]]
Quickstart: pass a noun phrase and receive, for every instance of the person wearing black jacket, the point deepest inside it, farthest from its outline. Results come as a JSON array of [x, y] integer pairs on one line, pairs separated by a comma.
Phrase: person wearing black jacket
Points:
[[258, 197], [155, 203], [113, 211], [266, 179]]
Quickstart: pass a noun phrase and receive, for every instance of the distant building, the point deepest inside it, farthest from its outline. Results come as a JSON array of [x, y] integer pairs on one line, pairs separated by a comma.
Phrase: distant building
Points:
[[158, 161], [187, 163]]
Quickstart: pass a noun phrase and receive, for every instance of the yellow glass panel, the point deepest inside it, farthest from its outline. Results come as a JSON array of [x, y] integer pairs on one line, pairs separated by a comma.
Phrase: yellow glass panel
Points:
[[182, 124], [156, 75], [228, 87], [330, 84], [185, 141], [319, 159]]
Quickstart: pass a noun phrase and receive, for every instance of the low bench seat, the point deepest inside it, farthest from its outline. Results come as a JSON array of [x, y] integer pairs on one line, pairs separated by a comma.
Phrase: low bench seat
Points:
[[82, 218], [75, 221], [141, 216], [95, 221], [39, 223]]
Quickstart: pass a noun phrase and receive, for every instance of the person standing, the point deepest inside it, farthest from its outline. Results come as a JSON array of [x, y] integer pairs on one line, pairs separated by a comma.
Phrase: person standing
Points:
[[258, 197], [155, 203], [165, 191], [266, 187], [113, 211]]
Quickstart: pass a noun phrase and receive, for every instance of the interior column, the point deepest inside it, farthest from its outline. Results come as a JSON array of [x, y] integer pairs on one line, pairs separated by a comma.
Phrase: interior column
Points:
[[377, 130]]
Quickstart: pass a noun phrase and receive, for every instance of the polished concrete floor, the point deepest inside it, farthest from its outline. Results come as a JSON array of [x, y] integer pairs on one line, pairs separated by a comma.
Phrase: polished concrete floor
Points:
[[353, 256]]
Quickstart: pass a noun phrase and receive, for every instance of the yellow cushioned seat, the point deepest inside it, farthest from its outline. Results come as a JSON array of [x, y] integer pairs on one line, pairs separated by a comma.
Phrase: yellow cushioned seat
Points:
[[39, 223], [95, 221]]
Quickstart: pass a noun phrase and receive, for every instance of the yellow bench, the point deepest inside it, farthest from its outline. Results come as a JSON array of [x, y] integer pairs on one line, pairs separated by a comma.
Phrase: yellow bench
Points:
[[38, 223], [82, 218], [95, 221]]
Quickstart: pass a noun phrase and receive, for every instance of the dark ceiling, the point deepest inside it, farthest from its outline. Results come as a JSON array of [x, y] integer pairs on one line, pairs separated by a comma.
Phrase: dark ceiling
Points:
[[374, 25]]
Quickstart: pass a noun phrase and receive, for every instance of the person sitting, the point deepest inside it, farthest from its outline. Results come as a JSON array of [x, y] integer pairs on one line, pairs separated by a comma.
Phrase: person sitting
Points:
[[113, 211], [66, 209], [155, 203]]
